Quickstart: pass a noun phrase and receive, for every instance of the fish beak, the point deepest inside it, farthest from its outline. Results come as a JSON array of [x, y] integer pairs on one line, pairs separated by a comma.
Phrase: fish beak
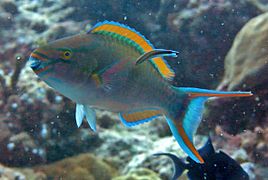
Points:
[[35, 63]]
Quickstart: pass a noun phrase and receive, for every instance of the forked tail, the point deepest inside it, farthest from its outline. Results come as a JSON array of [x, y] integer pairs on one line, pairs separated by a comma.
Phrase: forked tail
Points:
[[184, 118], [185, 122]]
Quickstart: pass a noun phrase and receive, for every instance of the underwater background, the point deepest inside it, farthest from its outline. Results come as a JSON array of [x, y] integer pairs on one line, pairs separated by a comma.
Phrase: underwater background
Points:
[[222, 44]]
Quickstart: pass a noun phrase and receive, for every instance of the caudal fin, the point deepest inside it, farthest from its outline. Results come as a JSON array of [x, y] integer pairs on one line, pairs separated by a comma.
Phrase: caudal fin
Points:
[[185, 122]]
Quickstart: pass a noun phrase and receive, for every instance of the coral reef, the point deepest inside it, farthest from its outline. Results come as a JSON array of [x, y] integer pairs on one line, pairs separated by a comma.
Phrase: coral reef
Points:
[[84, 166], [37, 125], [253, 143], [246, 68], [139, 174], [7, 173], [204, 31], [246, 64]]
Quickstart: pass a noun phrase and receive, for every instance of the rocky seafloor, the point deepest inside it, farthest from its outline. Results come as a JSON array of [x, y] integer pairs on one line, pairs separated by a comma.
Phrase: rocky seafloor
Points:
[[222, 45]]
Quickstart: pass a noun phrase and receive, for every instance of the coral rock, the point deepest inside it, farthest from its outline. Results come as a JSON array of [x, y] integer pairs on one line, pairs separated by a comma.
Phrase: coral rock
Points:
[[84, 166], [246, 65], [139, 174]]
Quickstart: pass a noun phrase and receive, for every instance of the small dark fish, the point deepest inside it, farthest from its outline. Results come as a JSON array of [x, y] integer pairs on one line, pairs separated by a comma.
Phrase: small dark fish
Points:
[[217, 166]]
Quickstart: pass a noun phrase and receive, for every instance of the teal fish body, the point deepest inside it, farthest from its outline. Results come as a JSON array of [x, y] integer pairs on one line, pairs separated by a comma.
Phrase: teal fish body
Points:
[[115, 68]]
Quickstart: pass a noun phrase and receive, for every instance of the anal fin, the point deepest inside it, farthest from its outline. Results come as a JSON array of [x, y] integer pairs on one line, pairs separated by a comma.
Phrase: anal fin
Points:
[[133, 118]]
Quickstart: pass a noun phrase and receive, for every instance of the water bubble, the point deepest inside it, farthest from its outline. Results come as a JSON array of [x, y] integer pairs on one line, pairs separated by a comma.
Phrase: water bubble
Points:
[[18, 58], [44, 131], [34, 151], [41, 152], [125, 18], [2, 72], [211, 75], [14, 105], [58, 99], [10, 146]]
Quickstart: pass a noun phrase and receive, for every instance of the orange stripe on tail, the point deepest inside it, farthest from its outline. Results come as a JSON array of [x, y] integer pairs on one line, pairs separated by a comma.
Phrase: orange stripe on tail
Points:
[[187, 142], [193, 95]]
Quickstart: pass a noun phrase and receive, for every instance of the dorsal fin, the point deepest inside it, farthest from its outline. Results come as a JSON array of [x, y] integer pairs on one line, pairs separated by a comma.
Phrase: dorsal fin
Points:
[[135, 39]]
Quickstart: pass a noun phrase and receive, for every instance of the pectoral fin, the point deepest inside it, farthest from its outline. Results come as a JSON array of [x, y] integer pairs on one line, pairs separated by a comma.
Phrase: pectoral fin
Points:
[[133, 118], [91, 117], [79, 114], [85, 111], [111, 77]]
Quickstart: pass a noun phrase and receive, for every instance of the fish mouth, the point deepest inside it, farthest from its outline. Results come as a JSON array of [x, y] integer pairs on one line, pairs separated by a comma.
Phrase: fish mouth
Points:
[[35, 63]]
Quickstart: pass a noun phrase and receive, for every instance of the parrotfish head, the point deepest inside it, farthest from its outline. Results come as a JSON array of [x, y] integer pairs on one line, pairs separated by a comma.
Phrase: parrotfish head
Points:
[[63, 64]]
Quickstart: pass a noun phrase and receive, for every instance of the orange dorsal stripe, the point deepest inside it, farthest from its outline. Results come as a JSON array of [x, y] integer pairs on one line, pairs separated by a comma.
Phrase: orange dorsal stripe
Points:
[[137, 38]]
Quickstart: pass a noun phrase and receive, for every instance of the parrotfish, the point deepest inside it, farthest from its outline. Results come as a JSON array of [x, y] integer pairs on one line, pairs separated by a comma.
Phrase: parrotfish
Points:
[[217, 166], [115, 68]]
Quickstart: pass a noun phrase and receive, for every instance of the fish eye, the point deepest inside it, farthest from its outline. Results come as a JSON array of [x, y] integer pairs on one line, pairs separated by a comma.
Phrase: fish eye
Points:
[[67, 54]]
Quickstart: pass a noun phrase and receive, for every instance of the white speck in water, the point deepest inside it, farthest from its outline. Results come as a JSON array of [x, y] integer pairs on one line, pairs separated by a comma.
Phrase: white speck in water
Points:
[[58, 116], [10, 146], [205, 175], [257, 98], [222, 24], [34, 151], [211, 75], [125, 18], [149, 13], [1, 72], [14, 105], [44, 131], [18, 58], [41, 152], [58, 99]]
